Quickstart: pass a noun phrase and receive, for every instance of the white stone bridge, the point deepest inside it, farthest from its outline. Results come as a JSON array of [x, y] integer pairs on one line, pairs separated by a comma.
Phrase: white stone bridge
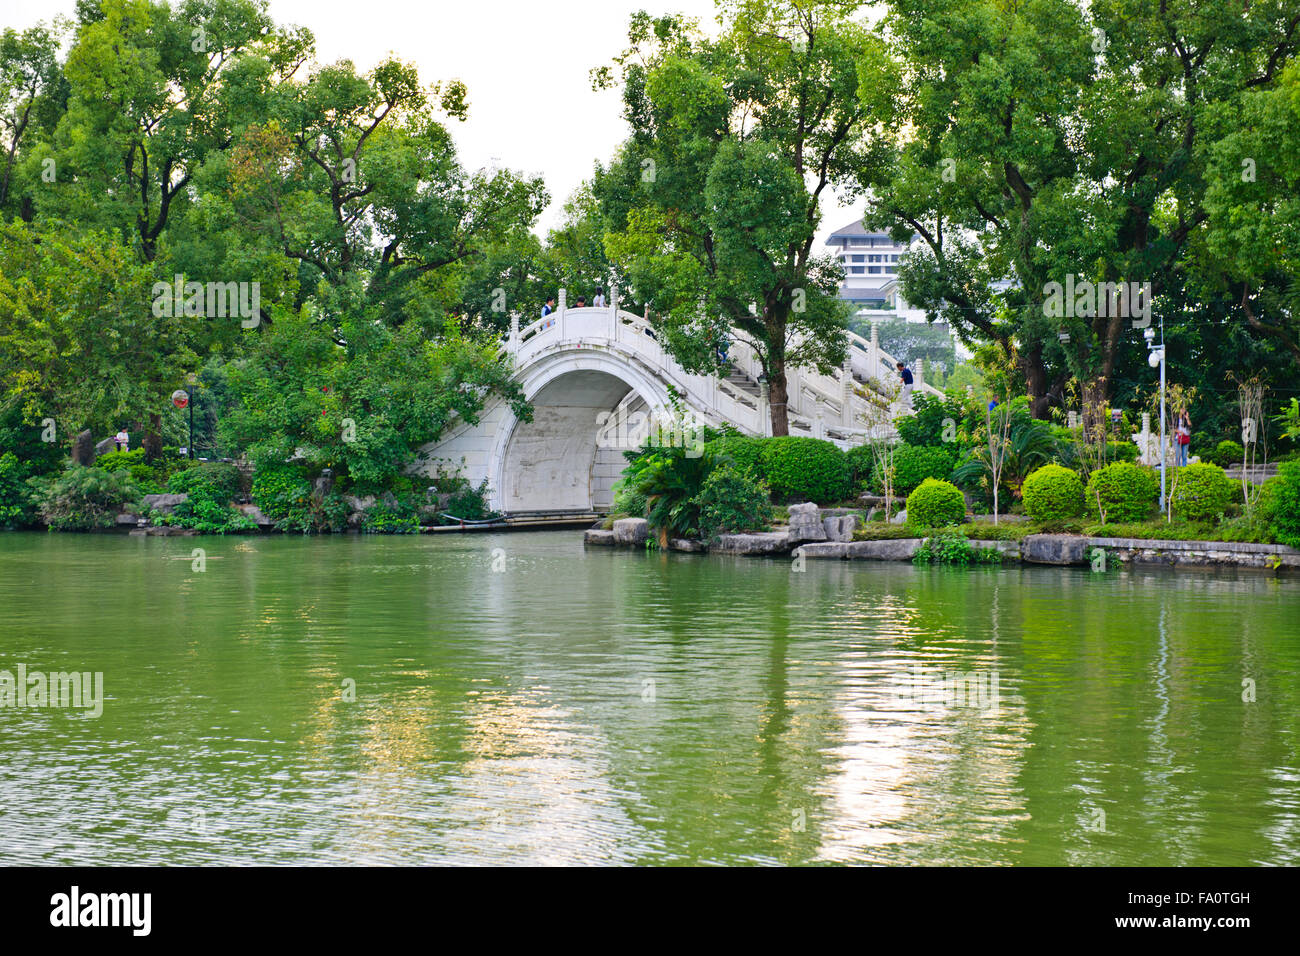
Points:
[[591, 373]]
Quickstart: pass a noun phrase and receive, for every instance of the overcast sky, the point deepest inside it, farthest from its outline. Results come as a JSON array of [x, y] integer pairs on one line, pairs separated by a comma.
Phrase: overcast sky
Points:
[[526, 64]]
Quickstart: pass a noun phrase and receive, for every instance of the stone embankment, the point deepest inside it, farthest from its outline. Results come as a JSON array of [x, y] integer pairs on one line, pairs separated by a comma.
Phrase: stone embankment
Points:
[[816, 534]]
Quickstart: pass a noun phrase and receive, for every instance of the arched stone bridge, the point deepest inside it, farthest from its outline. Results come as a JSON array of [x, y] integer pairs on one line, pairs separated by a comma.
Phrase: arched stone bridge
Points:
[[596, 377]]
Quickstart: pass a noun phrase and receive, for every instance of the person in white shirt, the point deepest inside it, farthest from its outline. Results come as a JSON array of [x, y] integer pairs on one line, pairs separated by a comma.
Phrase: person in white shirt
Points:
[[599, 300]]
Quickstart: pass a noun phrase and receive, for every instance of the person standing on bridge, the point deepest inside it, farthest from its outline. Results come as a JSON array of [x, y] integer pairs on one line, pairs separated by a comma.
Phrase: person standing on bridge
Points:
[[599, 301], [582, 302], [905, 374], [547, 309]]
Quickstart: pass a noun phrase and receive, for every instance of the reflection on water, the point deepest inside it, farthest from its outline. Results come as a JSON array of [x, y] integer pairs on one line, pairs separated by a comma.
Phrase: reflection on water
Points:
[[380, 700]]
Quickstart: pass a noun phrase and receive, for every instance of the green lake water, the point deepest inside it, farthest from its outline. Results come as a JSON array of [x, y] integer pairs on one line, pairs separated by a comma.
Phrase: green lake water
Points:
[[520, 700]]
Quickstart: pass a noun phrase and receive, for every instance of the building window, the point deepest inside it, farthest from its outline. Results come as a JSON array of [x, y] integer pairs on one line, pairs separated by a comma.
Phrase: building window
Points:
[[873, 270], [855, 270], [858, 258]]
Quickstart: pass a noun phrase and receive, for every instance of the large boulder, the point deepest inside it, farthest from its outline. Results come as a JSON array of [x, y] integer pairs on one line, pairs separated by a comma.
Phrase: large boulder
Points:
[[631, 532], [806, 523], [766, 542], [1054, 549], [83, 448], [899, 518], [598, 537], [889, 549], [254, 512], [164, 503], [840, 527]]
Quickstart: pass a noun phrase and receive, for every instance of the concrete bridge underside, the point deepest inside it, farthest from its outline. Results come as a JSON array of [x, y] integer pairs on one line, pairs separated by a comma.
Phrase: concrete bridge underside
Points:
[[558, 461]]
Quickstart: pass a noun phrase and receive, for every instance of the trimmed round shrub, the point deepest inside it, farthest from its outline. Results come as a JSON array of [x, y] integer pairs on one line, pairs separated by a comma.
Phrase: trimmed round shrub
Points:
[[915, 463], [1202, 492], [935, 504], [733, 500], [805, 469], [745, 452], [1227, 453], [1126, 492], [1053, 493]]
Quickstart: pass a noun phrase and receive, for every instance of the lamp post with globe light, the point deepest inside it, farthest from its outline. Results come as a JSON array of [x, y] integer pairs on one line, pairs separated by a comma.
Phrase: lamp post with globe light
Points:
[[1157, 357]]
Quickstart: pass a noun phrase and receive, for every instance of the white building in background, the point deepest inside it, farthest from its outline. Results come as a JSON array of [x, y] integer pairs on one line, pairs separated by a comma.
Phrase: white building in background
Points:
[[870, 261]]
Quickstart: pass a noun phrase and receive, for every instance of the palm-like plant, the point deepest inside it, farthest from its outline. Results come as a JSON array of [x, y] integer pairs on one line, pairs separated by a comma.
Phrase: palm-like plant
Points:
[[670, 479], [1015, 445]]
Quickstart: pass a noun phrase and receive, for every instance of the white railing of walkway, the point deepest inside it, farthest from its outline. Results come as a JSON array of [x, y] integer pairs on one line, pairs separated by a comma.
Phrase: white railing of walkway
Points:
[[832, 406]]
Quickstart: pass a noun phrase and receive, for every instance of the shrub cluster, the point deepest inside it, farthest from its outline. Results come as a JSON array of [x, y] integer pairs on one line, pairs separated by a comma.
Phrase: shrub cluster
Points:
[[915, 463], [935, 504], [286, 497], [1125, 492], [1053, 493], [1202, 492], [210, 487], [1227, 453], [733, 500], [84, 498], [1280, 504], [805, 469]]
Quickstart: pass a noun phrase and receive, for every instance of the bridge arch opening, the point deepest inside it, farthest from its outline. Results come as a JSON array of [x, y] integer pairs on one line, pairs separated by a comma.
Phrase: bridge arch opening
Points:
[[568, 457]]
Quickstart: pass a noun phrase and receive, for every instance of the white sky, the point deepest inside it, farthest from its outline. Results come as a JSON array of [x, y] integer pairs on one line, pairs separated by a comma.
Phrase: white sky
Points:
[[526, 64]]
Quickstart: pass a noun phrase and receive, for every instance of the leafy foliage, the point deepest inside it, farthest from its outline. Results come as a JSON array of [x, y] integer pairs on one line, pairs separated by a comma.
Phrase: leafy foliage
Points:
[[1202, 492], [82, 499], [1122, 491], [1280, 505], [733, 500], [671, 481], [952, 547], [15, 495], [285, 495], [935, 504], [913, 464], [1227, 453], [1052, 493], [805, 469]]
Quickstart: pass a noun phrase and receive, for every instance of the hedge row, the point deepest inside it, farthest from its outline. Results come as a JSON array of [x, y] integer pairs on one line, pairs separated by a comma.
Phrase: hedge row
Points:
[[795, 468]]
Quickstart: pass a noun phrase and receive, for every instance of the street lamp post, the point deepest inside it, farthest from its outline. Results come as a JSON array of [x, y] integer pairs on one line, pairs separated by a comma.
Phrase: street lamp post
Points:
[[1157, 357]]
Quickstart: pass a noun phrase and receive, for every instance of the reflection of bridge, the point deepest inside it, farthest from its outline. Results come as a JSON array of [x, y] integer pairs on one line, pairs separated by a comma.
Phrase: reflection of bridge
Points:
[[583, 368]]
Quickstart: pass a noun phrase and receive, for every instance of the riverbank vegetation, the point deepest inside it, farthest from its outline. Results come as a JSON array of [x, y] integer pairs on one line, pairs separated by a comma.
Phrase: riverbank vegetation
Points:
[[190, 199]]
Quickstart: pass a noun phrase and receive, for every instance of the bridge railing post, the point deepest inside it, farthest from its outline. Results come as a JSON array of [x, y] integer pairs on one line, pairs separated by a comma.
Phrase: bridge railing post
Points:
[[563, 308], [846, 409], [514, 332]]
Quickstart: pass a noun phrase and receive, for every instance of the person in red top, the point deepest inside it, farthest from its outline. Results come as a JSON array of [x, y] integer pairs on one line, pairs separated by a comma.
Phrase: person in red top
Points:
[[1182, 439]]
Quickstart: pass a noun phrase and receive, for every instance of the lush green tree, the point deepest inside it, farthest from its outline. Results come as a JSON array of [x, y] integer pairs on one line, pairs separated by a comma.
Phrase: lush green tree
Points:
[[154, 90], [1253, 208], [713, 201], [1039, 140], [79, 339], [354, 178], [30, 84], [362, 409]]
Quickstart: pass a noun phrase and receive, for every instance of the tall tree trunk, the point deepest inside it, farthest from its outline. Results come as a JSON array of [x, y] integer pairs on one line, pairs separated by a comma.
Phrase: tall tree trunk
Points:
[[153, 437], [778, 397], [1031, 363]]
